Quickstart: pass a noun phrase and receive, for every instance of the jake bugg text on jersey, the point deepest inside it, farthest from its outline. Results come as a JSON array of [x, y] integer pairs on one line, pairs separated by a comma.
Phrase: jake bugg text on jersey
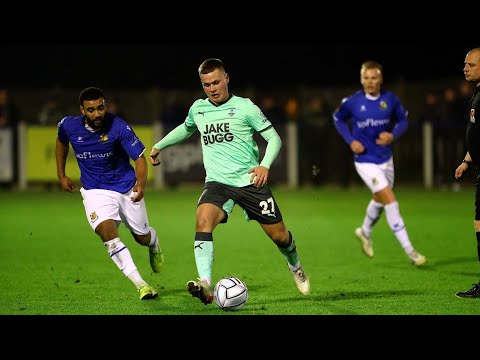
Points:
[[217, 133]]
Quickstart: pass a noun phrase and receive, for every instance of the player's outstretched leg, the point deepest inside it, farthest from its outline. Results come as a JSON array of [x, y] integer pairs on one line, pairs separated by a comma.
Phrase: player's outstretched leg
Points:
[[121, 256], [302, 282]]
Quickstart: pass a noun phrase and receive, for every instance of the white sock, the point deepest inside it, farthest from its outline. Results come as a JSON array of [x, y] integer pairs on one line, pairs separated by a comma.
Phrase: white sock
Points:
[[123, 259], [136, 279], [374, 211], [395, 222]]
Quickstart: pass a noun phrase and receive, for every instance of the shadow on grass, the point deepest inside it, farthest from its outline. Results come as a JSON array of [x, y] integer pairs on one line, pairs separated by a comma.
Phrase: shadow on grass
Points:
[[432, 264], [451, 261], [440, 264], [327, 304], [356, 295], [343, 295]]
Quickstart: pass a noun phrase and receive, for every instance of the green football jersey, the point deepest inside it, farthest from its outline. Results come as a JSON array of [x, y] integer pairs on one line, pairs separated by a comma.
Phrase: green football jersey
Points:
[[226, 133]]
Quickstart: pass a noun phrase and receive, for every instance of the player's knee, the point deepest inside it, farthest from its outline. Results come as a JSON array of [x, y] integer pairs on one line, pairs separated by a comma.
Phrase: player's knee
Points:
[[142, 239], [206, 223], [280, 237]]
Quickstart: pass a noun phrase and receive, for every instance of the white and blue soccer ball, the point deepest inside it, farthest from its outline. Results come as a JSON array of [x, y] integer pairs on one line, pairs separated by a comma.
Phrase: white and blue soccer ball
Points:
[[230, 293]]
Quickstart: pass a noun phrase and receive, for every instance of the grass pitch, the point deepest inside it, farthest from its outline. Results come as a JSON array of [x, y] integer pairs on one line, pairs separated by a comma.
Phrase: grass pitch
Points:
[[51, 263]]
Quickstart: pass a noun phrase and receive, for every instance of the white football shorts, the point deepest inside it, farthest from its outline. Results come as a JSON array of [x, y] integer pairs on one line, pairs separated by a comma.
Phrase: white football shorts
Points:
[[376, 176], [101, 205]]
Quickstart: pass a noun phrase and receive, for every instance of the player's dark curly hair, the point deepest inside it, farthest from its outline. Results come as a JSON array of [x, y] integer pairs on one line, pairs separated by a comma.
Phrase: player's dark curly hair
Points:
[[90, 93]]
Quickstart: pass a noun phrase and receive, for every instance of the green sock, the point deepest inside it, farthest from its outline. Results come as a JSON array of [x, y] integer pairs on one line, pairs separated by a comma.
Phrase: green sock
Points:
[[203, 250], [290, 253]]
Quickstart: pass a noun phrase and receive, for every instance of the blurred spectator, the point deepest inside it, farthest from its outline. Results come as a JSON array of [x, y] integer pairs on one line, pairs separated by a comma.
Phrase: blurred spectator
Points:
[[114, 107], [315, 130], [52, 110], [448, 134], [459, 105], [9, 119], [273, 111], [431, 111], [173, 112], [9, 112], [317, 112], [465, 90], [292, 108]]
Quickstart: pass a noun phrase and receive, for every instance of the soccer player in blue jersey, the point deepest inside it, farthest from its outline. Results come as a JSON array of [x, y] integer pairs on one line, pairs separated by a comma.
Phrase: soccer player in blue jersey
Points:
[[369, 121], [234, 174], [112, 190]]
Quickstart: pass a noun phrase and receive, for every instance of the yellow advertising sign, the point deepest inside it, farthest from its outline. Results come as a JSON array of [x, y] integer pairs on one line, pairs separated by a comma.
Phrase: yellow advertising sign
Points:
[[41, 165]]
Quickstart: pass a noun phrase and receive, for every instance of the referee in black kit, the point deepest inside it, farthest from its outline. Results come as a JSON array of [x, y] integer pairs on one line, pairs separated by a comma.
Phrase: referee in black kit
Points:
[[471, 71]]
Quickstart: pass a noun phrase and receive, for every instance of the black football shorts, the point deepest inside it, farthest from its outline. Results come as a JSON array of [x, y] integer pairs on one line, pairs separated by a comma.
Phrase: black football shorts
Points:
[[257, 203]]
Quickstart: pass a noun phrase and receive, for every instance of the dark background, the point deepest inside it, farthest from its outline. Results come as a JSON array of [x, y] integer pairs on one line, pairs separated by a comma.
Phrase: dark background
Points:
[[265, 65]]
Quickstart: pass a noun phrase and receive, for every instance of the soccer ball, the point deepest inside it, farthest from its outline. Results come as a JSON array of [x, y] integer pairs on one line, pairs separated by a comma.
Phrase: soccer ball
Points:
[[230, 293]]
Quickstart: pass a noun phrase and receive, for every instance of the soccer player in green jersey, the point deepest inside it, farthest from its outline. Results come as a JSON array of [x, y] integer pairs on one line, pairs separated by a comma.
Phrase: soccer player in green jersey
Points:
[[234, 174]]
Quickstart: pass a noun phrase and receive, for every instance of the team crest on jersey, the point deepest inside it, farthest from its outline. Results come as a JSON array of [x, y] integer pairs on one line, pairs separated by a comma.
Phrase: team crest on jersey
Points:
[[374, 181], [103, 138], [93, 217], [383, 105], [231, 112], [472, 116]]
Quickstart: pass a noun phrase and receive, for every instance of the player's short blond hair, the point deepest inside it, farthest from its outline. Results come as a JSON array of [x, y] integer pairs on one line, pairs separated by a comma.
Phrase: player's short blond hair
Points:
[[210, 65], [370, 64]]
